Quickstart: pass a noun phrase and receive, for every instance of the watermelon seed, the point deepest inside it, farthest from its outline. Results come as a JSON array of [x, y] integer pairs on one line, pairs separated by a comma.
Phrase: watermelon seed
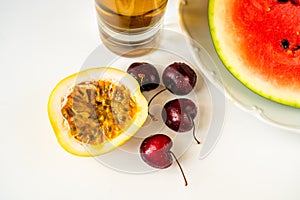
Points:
[[285, 43], [295, 2], [282, 1]]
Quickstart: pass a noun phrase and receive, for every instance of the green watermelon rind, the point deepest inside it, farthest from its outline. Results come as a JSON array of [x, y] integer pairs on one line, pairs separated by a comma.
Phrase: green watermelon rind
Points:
[[275, 96]]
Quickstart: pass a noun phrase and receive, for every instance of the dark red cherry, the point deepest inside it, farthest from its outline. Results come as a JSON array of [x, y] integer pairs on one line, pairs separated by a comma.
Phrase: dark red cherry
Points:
[[179, 114], [156, 151], [146, 74], [179, 78]]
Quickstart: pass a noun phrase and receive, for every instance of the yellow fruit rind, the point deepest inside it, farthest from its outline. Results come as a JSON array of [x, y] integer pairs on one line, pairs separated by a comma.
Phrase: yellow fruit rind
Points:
[[60, 127]]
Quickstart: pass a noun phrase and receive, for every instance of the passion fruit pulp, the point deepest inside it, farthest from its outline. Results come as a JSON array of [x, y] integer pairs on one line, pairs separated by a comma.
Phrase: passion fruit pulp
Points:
[[94, 111]]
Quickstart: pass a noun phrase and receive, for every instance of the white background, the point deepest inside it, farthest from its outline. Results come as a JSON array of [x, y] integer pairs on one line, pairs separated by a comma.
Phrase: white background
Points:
[[41, 42]]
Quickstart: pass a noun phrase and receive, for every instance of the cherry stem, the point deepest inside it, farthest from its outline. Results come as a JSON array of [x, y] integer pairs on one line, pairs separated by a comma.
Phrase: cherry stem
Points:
[[185, 181], [151, 115], [194, 132]]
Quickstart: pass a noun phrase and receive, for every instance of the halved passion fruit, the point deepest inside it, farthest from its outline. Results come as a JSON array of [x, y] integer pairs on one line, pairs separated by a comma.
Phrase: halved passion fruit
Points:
[[96, 110]]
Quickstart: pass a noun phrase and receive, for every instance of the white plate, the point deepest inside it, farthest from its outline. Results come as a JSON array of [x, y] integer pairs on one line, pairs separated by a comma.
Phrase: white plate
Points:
[[173, 48], [193, 15]]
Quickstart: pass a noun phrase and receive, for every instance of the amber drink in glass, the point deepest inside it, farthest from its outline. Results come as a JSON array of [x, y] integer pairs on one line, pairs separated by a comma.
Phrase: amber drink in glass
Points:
[[130, 27]]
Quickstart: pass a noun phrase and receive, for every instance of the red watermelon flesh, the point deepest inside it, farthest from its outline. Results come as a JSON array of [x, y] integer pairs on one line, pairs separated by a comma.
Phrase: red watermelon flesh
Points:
[[271, 25], [264, 35]]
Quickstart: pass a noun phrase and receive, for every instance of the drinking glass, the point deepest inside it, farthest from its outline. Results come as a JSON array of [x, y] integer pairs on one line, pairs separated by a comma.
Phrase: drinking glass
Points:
[[130, 27]]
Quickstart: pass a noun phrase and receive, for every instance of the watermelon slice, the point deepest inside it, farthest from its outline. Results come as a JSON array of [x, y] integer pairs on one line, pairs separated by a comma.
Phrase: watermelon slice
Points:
[[259, 43]]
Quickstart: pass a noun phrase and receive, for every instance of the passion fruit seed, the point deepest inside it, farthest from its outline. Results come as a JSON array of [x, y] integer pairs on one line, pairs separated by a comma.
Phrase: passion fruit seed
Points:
[[95, 110]]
